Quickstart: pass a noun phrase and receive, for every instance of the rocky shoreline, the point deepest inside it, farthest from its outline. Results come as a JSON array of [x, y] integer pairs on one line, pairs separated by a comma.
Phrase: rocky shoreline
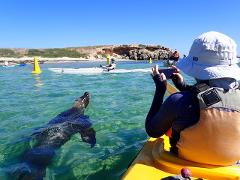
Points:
[[91, 53]]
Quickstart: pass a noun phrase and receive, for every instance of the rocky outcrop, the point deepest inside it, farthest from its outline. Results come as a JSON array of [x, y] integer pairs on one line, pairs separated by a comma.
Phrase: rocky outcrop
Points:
[[141, 54], [138, 52]]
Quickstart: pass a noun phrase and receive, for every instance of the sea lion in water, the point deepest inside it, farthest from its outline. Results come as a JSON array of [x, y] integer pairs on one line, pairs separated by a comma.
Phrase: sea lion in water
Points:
[[51, 137]]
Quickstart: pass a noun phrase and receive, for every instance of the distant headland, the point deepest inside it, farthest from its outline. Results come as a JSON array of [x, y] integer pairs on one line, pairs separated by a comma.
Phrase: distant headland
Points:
[[120, 52]]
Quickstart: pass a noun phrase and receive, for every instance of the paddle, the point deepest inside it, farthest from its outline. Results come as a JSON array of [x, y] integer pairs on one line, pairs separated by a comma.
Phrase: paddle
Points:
[[170, 89]]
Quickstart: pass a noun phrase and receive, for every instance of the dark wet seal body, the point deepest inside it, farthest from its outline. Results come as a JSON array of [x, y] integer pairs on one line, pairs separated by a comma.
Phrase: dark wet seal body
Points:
[[55, 134]]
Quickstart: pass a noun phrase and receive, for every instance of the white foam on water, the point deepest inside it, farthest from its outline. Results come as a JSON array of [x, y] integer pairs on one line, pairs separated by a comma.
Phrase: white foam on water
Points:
[[89, 71]]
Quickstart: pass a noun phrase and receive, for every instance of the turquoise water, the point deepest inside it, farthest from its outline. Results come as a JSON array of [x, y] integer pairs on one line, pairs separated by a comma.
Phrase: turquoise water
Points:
[[117, 109]]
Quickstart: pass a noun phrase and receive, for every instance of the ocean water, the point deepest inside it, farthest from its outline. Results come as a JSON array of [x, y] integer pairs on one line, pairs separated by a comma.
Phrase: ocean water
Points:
[[118, 107]]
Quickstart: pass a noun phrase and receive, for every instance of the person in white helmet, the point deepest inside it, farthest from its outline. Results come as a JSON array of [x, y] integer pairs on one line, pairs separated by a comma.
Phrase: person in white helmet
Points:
[[111, 66], [205, 117]]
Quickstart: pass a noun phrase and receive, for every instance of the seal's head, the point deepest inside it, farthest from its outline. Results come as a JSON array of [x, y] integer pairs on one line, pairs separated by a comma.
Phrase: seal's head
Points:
[[83, 101]]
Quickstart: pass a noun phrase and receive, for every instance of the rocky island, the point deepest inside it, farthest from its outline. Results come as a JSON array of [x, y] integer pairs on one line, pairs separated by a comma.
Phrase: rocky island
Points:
[[119, 52]]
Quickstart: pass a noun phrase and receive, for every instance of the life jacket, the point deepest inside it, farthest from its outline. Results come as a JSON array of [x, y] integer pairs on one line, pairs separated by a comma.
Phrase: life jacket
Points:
[[215, 138]]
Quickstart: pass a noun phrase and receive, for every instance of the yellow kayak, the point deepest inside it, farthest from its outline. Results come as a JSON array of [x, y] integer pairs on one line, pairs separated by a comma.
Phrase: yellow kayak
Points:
[[156, 162]]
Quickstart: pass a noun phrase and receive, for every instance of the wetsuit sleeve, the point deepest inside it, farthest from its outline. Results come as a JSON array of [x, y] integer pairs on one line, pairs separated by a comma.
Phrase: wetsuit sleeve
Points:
[[160, 117], [180, 86]]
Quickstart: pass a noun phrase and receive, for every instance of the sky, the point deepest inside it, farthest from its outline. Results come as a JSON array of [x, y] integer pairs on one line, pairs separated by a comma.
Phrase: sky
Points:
[[73, 23]]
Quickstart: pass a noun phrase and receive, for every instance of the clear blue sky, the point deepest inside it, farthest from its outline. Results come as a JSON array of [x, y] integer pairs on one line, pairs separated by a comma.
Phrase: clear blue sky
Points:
[[68, 23]]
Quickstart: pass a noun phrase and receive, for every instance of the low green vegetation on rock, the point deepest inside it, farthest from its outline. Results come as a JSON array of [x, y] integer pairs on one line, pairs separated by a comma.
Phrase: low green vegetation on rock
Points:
[[56, 52], [8, 53]]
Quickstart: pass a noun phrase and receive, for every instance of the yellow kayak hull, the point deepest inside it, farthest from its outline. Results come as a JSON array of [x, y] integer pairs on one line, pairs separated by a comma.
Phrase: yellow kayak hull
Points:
[[155, 162]]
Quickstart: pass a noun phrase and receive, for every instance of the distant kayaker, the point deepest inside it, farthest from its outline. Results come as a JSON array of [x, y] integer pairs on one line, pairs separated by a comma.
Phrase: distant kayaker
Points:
[[175, 56], [204, 118], [111, 66]]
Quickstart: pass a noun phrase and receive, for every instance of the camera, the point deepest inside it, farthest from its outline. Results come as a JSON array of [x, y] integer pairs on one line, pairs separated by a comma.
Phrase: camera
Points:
[[168, 72]]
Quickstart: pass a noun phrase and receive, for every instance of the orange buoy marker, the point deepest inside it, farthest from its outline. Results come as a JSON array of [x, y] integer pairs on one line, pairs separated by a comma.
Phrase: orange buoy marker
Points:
[[36, 67]]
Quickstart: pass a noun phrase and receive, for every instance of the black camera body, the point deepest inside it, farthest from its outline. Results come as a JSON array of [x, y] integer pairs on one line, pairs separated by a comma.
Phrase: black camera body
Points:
[[168, 72]]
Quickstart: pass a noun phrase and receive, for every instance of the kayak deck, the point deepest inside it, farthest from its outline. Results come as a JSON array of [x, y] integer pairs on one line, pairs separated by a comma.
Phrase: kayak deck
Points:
[[155, 162]]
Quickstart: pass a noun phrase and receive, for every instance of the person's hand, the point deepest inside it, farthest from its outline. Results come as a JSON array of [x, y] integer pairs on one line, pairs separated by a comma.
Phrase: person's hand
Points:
[[177, 76], [155, 72]]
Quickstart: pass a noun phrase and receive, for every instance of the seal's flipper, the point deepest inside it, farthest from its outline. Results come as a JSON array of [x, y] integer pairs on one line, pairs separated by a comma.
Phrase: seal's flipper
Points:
[[39, 156], [24, 171], [89, 136]]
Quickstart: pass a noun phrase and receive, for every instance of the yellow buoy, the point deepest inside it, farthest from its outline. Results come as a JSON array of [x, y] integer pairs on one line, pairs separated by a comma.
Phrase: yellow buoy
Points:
[[108, 59], [150, 61], [36, 67]]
